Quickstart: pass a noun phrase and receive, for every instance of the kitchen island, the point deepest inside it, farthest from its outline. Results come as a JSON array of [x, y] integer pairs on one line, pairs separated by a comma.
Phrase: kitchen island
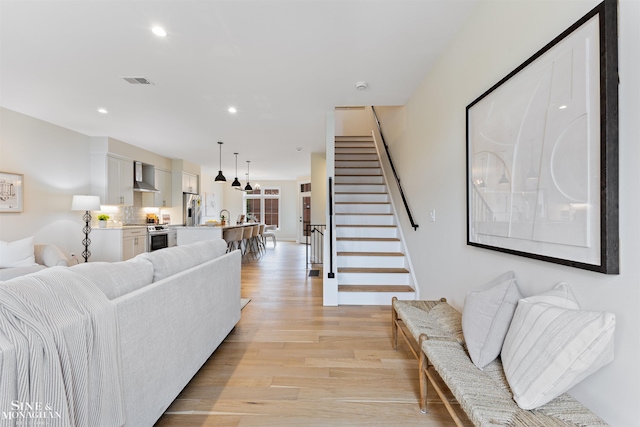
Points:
[[188, 235]]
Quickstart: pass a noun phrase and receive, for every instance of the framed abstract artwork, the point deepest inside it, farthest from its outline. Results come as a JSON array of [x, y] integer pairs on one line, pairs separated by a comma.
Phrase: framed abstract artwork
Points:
[[542, 152]]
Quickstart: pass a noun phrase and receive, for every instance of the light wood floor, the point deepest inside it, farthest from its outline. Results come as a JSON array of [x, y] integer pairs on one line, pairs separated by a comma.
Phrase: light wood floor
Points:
[[292, 362]]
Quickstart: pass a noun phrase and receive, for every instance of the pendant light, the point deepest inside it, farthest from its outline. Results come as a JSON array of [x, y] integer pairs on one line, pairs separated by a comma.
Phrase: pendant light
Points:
[[248, 186], [503, 179], [236, 183], [220, 178]]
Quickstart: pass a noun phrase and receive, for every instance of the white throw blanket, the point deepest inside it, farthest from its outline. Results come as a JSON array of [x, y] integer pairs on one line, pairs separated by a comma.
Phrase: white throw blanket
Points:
[[59, 352]]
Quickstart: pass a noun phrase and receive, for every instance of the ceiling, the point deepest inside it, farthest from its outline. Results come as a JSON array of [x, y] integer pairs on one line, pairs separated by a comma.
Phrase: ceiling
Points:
[[282, 64]]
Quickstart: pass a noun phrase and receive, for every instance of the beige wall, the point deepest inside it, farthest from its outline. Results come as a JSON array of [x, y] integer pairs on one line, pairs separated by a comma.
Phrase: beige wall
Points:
[[55, 164], [318, 188], [352, 122], [427, 139]]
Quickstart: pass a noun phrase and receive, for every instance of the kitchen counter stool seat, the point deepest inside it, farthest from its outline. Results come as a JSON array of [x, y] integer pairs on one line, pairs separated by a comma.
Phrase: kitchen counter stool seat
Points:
[[233, 237]]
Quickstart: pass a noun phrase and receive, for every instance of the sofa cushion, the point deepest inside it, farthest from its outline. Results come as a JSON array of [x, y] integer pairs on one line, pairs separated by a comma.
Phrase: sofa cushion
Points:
[[486, 317], [50, 256], [550, 348], [169, 261], [17, 254], [117, 278]]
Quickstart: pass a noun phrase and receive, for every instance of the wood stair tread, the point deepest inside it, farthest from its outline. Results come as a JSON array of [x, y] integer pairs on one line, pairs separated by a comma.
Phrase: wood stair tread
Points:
[[369, 239], [370, 254], [375, 288]]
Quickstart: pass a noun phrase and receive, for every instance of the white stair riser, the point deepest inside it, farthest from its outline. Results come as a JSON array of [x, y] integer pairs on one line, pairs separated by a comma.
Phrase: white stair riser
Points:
[[365, 157], [378, 197], [358, 171], [364, 219], [360, 188], [357, 164], [350, 179], [367, 246], [372, 298], [382, 232], [356, 261], [362, 208], [373, 278]]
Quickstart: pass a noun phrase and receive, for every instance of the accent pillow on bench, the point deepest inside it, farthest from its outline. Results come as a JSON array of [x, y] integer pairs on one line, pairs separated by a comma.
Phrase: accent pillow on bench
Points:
[[551, 346]]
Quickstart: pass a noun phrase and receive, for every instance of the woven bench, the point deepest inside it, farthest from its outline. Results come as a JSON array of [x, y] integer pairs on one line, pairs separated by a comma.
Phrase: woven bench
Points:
[[434, 333]]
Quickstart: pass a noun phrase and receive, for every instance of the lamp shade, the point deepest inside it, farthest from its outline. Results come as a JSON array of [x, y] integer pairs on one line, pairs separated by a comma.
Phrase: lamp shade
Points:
[[85, 203]]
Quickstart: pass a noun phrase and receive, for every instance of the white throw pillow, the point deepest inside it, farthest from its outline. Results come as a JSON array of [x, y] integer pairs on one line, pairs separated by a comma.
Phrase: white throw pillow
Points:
[[17, 254], [551, 348], [486, 317]]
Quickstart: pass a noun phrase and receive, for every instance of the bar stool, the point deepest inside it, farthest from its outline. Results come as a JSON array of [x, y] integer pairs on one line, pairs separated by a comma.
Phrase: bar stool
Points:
[[233, 237], [246, 238], [260, 240], [255, 232]]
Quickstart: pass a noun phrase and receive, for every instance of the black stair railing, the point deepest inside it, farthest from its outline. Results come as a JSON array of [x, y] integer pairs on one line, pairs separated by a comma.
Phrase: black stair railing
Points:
[[395, 174]]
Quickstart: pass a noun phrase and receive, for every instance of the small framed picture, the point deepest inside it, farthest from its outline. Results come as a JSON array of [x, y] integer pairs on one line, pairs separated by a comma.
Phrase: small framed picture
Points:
[[240, 219], [11, 192]]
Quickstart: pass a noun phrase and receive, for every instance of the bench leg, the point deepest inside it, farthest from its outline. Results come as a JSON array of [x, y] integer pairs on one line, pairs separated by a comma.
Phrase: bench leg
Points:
[[394, 324], [422, 375]]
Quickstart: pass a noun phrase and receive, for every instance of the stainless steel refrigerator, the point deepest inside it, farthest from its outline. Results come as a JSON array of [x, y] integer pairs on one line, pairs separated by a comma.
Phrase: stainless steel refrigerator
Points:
[[192, 209]]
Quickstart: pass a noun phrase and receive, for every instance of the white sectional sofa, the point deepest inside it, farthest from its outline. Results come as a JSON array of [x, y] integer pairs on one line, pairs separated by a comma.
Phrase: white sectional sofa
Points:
[[171, 309]]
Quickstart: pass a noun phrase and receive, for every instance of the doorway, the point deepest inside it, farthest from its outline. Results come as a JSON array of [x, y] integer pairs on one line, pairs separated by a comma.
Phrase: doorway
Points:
[[305, 211]]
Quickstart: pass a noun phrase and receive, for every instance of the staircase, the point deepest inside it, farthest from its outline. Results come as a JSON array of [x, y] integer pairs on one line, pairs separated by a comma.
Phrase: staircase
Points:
[[371, 264]]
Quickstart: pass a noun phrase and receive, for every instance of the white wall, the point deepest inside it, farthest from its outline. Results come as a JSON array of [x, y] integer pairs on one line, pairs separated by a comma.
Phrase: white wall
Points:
[[427, 139], [55, 164]]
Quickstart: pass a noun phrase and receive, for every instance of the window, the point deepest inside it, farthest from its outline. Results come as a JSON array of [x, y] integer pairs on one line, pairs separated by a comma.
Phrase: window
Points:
[[263, 205]]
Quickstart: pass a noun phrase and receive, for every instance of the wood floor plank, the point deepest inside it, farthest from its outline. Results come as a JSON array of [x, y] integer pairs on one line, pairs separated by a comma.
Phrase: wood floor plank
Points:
[[292, 362]]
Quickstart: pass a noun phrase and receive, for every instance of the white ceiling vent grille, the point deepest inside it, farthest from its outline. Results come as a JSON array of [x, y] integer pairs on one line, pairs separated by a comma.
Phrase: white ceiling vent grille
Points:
[[138, 80]]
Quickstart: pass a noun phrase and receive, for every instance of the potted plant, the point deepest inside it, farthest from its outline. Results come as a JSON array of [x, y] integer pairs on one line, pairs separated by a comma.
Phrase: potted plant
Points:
[[223, 220], [102, 220]]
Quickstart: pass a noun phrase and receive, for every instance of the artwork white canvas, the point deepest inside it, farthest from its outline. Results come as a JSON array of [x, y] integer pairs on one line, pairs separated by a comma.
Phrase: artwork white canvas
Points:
[[534, 155]]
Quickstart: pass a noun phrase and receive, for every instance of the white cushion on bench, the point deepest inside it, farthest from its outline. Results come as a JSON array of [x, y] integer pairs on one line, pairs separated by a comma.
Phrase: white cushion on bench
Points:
[[486, 317], [551, 348]]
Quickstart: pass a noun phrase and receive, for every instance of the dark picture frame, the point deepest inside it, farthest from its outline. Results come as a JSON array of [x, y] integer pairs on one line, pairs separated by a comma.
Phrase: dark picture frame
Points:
[[542, 152]]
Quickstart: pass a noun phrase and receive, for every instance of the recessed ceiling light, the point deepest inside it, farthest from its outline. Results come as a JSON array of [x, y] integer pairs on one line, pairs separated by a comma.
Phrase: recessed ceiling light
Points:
[[298, 149], [159, 31], [232, 110], [361, 85], [102, 111], [562, 107]]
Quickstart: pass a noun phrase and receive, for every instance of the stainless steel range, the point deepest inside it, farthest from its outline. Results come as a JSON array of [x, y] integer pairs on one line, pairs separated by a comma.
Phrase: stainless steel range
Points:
[[160, 237]]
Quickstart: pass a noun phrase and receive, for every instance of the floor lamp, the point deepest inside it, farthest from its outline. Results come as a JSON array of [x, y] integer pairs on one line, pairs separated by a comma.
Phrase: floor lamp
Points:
[[86, 204]]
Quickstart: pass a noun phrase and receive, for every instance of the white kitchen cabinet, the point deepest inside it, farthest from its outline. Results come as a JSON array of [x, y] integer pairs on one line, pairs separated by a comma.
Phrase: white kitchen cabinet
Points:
[[117, 244], [162, 199], [189, 183], [112, 179]]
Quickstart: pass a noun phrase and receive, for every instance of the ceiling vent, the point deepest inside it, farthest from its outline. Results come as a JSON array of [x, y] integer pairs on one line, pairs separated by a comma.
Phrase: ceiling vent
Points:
[[138, 80]]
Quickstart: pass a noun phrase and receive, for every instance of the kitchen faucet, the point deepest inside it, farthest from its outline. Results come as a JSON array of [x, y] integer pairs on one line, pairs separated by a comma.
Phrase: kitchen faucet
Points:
[[224, 210]]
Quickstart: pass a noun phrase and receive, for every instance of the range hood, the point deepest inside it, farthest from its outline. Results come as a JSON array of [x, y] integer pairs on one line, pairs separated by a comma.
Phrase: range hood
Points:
[[143, 178]]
